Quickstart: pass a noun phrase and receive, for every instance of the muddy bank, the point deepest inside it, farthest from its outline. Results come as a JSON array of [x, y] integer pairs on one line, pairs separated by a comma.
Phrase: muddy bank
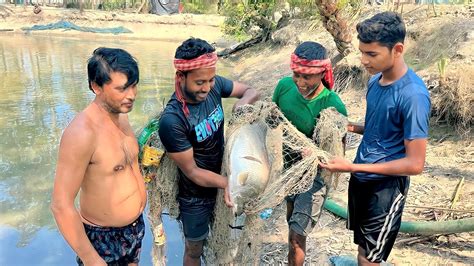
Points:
[[143, 26]]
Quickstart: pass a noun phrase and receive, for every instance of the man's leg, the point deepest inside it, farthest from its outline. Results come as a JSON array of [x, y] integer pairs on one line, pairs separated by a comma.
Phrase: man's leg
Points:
[[296, 242], [195, 215], [192, 253], [362, 260], [303, 210], [375, 211], [297, 248]]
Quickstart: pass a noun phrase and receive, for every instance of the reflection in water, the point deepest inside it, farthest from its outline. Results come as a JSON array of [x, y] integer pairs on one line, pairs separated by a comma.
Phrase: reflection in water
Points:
[[43, 83]]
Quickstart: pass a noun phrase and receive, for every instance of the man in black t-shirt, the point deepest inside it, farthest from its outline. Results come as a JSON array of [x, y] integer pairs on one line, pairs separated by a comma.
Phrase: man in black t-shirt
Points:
[[192, 131]]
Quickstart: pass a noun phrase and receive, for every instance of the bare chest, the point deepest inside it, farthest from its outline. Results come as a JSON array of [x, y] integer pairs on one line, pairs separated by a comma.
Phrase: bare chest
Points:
[[115, 152]]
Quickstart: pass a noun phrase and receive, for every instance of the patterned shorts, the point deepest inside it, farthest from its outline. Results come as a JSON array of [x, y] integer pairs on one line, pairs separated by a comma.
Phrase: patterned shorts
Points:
[[117, 245]]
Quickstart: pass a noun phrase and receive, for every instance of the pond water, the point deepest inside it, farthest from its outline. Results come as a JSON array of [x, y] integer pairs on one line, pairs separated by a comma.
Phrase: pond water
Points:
[[43, 85]]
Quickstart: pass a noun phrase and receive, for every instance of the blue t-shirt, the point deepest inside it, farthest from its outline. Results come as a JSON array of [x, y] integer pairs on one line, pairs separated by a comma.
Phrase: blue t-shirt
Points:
[[396, 112], [203, 130]]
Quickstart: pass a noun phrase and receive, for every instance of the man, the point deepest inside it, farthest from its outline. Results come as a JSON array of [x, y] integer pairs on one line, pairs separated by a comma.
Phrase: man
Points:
[[191, 129], [98, 157], [301, 98], [394, 142]]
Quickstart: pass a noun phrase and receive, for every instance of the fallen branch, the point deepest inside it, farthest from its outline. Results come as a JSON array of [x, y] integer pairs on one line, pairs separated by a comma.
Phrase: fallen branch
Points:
[[243, 45], [414, 240], [457, 193], [139, 10]]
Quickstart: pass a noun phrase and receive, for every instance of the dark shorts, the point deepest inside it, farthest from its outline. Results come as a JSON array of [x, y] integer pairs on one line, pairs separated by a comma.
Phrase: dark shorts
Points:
[[196, 215], [375, 214], [117, 245], [307, 207]]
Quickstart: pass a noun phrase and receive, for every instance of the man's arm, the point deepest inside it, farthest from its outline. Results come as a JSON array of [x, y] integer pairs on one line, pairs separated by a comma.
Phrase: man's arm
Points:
[[75, 152], [246, 94], [355, 128], [412, 164], [200, 176]]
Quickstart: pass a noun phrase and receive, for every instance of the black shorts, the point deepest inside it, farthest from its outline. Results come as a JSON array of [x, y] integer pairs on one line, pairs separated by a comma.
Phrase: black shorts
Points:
[[375, 214], [117, 245], [196, 215]]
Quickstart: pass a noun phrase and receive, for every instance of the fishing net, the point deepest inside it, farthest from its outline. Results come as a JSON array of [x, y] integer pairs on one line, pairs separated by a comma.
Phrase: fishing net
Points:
[[160, 174], [66, 25], [329, 134], [293, 160]]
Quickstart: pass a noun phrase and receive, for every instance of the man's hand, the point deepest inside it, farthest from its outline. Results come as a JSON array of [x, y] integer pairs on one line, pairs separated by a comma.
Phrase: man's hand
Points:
[[357, 128], [338, 164], [227, 200]]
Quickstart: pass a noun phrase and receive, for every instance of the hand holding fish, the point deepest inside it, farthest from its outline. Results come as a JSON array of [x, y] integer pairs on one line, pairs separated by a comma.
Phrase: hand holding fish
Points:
[[337, 164]]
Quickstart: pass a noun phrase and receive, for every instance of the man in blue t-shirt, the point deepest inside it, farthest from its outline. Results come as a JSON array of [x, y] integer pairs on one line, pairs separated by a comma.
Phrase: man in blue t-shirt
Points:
[[394, 143], [192, 132]]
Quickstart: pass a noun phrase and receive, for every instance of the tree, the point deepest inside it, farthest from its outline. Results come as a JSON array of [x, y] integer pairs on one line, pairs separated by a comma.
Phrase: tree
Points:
[[336, 22]]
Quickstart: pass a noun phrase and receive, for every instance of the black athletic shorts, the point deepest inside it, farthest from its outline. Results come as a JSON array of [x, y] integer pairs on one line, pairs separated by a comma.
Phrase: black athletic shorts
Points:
[[196, 215], [375, 214]]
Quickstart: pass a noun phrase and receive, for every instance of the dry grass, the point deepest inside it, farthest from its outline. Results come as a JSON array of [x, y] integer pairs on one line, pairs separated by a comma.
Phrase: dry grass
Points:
[[453, 100], [433, 42]]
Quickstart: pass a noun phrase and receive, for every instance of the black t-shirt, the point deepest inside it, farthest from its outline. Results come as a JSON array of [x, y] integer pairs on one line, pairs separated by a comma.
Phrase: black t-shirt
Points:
[[203, 130]]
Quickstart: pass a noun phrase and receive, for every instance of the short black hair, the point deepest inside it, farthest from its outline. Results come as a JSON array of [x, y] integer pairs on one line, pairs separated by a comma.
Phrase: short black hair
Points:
[[311, 51], [193, 48], [386, 28], [107, 60]]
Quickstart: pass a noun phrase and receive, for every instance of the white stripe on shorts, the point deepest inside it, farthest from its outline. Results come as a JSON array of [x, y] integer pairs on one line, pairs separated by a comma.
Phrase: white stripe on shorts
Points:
[[386, 228]]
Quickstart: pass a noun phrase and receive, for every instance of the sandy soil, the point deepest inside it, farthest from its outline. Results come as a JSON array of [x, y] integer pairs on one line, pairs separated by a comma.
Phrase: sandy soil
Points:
[[144, 26], [449, 157]]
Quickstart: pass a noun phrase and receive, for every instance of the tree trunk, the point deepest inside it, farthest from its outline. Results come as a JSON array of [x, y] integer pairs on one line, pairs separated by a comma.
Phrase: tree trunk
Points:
[[337, 25]]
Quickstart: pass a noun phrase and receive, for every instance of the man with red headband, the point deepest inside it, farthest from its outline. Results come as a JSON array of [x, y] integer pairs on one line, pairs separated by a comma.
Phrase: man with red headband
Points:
[[192, 131], [301, 98]]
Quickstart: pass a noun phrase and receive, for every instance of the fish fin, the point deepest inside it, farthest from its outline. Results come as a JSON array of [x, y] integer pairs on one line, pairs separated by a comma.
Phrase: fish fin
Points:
[[242, 178], [251, 158]]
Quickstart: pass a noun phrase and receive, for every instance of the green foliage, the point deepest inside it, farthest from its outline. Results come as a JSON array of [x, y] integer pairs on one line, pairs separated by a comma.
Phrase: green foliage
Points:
[[442, 65], [302, 8], [354, 4], [200, 6], [242, 16], [113, 4]]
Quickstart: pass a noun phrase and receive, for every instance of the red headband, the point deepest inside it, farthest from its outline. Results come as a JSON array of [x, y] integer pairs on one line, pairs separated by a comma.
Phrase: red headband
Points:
[[306, 66], [208, 60]]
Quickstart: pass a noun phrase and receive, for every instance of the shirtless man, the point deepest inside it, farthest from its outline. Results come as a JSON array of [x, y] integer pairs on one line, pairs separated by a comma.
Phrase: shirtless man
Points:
[[98, 158]]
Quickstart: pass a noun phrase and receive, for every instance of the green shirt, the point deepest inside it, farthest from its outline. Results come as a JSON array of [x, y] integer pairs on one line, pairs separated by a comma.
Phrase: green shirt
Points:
[[301, 112]]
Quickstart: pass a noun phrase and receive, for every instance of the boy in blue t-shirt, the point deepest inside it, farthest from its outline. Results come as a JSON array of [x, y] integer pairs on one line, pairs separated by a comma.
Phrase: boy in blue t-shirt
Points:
[[394, 139]]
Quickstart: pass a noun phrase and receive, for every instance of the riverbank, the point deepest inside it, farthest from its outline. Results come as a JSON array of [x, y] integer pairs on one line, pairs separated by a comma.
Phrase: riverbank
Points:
[[142, 26]]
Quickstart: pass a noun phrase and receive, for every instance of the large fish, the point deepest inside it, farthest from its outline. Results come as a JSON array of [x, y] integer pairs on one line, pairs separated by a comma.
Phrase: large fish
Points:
[[248, 164]]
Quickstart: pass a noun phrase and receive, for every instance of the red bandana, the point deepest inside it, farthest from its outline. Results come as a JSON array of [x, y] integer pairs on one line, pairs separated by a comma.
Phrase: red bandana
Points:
[[306, 66], [204, 61]]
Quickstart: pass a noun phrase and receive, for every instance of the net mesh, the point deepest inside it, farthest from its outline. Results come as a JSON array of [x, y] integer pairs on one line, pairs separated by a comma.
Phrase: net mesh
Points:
[[293, 159], [291, 172], [329, 135]]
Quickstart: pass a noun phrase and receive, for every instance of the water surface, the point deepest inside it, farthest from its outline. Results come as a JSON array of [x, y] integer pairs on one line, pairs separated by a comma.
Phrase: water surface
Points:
[[43, 85]]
